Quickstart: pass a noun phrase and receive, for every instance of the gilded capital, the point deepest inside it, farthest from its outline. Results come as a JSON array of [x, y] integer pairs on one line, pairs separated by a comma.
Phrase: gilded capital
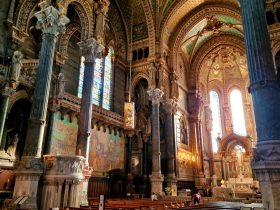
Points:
[[169, 106], [91, 49], [50, 20], [155, 95]]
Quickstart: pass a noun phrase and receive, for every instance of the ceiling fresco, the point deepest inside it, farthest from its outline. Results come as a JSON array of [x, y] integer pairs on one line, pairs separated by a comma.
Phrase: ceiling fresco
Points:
[[207, 28]]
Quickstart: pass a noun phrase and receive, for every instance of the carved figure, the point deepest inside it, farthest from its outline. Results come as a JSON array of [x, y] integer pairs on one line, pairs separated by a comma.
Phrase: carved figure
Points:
[[208, 118], [16, 67], [60, 84], [152, 75], [174, 86], [12, 146], [101, 9]]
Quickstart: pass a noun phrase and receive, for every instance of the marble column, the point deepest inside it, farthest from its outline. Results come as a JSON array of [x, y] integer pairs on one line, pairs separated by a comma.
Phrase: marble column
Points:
[[29, 169], [91, 50], [156, 177], [7, 92], [169, 107], [266, 100]]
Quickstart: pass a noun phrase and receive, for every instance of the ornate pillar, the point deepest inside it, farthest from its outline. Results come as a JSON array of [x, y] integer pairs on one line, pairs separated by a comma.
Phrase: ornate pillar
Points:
[[29, 170], [194, 104], [91, 50], [170, 144], [156, 178], [7, 92], [266, 99]]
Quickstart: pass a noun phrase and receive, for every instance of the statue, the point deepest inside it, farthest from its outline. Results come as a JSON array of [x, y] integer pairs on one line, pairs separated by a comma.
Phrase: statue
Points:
[[16, 68], [11, 150], [208, 118], [101, 9], [174, 86], [159, 75], [60, 84], [152, 75]]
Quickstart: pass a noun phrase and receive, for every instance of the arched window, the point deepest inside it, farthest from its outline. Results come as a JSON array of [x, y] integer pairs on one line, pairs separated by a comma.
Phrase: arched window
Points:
[[216, 116], [237, 112], [102, 81]]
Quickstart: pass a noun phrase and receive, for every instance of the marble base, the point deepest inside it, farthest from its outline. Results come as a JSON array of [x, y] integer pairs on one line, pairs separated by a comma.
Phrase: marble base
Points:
[[156, 180], [28, 173], [266, 166]]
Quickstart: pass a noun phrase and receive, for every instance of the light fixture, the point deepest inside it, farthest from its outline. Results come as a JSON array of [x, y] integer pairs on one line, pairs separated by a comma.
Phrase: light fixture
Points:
[[129, 107]]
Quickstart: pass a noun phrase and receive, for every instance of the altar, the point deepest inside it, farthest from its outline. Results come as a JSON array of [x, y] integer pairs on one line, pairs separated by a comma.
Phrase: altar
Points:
[[222, 192]]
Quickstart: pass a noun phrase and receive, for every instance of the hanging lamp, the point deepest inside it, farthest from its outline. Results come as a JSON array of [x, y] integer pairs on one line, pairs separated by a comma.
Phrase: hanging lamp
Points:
[[129, 106]]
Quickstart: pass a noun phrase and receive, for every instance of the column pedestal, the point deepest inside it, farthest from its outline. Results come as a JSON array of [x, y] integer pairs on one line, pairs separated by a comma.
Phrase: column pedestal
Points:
[[172, 183], [156, 180], [28, 174], [266, 165]]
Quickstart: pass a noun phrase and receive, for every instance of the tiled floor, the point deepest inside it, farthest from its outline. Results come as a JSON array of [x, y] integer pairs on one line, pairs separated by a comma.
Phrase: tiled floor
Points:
[[224, 206]]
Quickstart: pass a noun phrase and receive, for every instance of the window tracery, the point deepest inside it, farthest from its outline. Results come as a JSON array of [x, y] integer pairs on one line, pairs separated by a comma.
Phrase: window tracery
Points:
[[102, 85]]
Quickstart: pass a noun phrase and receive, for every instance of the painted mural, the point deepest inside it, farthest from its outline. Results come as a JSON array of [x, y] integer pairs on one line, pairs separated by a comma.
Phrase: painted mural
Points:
[[106, 151], [64, 135]]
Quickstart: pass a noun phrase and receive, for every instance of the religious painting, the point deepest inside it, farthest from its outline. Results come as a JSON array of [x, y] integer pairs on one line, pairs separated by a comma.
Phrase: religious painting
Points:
[[64, 136], [106, 151]]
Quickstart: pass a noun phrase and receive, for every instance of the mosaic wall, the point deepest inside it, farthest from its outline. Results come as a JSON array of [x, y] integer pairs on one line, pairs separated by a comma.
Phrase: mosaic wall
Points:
[[106, 151], [64, 136]]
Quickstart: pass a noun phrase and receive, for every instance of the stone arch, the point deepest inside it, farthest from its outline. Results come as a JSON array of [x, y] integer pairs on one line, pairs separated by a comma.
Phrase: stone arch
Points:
[[85, 13], [135, 81], [189, 21], [212, 44], [83, 8], [24, 13], [150, 26], [22, 94], [64, 38], [227, 143]]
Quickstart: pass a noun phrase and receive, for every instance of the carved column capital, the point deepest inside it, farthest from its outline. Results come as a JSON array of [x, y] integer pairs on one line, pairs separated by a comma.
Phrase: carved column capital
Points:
[[194, 102], [8, 91], [170, 106], [155, 95], [91, 49], [50, 20]]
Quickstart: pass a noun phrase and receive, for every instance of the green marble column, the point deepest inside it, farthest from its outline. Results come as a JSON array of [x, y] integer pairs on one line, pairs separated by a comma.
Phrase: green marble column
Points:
[[265, 92]]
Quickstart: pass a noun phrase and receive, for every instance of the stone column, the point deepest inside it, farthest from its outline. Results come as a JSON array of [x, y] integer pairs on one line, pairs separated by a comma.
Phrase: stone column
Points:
[[91, 50], [170, 144], [7, 92], [156, 177], [29, 170], [194, 104], [266, 99]]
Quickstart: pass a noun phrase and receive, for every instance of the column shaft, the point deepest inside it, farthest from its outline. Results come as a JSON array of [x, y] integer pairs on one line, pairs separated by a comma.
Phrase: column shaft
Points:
[[37, 121], [91, 50], [170, 138], [264, 88], [156, 138], [266, 99], [3, 115], [48, 143]]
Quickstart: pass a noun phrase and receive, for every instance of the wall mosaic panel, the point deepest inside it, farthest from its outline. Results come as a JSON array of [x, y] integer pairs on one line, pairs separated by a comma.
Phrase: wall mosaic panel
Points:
[[106, 151], [64, 136]]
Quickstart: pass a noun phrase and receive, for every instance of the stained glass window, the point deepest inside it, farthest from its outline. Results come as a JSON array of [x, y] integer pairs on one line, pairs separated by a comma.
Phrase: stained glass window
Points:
[[102, 81], [216, 116], [81, 78], [107, 81], [97, 82], [237, 111]]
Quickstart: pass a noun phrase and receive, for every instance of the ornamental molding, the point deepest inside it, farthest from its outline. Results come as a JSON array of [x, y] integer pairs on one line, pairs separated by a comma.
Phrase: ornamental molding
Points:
[[50, 20], [210, 45], [91, 49], [189, 22], [155, 95]]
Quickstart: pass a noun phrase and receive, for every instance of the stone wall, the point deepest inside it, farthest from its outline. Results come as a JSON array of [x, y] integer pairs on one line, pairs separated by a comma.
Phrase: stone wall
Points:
[[119, 88], [4, 7]]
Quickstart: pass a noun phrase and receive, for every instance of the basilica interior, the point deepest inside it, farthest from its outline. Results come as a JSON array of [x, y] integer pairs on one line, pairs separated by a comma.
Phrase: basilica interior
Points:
[[125, 98]]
